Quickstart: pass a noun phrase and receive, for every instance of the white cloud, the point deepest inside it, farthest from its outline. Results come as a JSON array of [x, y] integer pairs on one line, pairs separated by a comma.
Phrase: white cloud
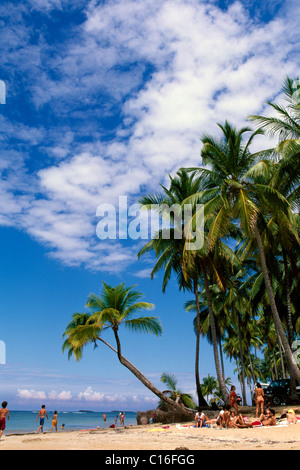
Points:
[[31, 395], [172, 69], [60, 396], [92, 396]]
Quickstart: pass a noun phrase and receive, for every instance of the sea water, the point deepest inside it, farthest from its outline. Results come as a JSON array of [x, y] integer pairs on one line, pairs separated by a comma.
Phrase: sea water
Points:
[[25, 421]]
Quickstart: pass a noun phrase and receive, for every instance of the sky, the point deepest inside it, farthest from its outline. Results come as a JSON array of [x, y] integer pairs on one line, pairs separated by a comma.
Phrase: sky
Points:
[[106, 99]]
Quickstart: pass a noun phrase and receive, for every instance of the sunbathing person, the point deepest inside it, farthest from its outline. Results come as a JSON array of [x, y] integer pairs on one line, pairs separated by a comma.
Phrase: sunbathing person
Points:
[[265, 420], [224, 417], [268, 419], [201, 419], [239, 422], [232, 419], [291, 417]]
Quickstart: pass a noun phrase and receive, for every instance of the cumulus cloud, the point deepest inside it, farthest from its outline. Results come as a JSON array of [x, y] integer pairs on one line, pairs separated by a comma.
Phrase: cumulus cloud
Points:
[[92, 396], [42, 395], [129, 92], [31, 395]]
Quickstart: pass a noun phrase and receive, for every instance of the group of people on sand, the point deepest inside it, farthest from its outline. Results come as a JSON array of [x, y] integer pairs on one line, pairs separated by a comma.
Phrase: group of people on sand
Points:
[[229, 416]]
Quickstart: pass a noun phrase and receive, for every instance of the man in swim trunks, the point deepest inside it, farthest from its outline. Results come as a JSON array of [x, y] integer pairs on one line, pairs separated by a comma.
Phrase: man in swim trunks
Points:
[[42, 414], [268, 419], [4, 413]]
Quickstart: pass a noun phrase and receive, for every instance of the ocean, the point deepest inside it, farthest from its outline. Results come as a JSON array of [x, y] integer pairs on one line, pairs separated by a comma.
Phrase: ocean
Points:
[[25, 421]]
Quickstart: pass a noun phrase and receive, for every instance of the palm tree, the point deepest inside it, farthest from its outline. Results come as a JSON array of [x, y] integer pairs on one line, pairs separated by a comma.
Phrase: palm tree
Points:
[[175, 394], [286, 125], [235, 182], [175, 255], [209, 386], [169, 248], [117, 306]]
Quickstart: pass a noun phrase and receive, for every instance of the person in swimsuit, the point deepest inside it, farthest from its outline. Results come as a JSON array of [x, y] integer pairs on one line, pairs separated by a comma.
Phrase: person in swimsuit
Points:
[[232, 400], [201, 419], [4, 413], [122, 419], [268, 419], [259, 399], [240, 422], [41, 415], [54, 421]]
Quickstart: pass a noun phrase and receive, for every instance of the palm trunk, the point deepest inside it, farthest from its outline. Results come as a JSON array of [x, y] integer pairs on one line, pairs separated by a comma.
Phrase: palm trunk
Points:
[[201, 399], [172, 404], [251, 367], [281, 359], [275, 366], [221, 357], [221, 380], [288, 297], [242, 361], [293, 368]]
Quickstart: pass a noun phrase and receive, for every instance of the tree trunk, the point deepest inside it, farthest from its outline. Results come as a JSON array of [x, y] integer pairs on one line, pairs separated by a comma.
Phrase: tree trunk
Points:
[[186, 411], [221, 380], [221, 357], [293, 368], [242, 361], [201, 399], [251, 368], [294, 394], [288, 297]]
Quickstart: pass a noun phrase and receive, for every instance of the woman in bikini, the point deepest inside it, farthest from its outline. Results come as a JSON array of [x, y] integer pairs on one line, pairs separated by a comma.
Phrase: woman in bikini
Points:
[[232, 400], [54, 421], [259, 399]]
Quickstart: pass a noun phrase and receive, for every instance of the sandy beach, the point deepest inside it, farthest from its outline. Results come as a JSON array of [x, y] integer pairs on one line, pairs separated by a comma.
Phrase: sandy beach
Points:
[[159, 437]]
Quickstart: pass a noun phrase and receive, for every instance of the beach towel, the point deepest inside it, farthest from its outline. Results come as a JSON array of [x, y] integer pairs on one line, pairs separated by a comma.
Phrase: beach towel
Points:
[[185, 426], [165, 428]]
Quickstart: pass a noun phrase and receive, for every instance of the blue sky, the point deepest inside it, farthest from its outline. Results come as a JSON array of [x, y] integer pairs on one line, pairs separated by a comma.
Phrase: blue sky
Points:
[[105, 99]]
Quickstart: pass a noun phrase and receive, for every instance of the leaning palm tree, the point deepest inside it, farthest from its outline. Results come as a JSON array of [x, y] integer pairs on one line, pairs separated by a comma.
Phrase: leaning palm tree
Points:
[[115, 307]]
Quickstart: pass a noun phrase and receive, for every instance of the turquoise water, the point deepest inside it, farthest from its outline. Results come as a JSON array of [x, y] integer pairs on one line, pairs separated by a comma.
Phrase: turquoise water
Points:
[[25, 421]]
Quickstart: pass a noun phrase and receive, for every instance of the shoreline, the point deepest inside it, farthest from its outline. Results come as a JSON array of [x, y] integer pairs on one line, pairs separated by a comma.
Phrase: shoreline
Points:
[[157, 436]]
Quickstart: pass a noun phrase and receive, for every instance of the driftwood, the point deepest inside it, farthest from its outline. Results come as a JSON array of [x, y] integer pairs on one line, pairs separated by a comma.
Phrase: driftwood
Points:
[[164, 417], [169, 417]]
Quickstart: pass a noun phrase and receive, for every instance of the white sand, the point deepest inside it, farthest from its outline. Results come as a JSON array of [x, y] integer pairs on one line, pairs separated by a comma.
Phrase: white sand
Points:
[[154, 437]]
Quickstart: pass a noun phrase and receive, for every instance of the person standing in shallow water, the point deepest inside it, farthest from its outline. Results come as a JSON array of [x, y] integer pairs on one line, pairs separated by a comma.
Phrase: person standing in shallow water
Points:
[[122, 418], [4, 413]]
